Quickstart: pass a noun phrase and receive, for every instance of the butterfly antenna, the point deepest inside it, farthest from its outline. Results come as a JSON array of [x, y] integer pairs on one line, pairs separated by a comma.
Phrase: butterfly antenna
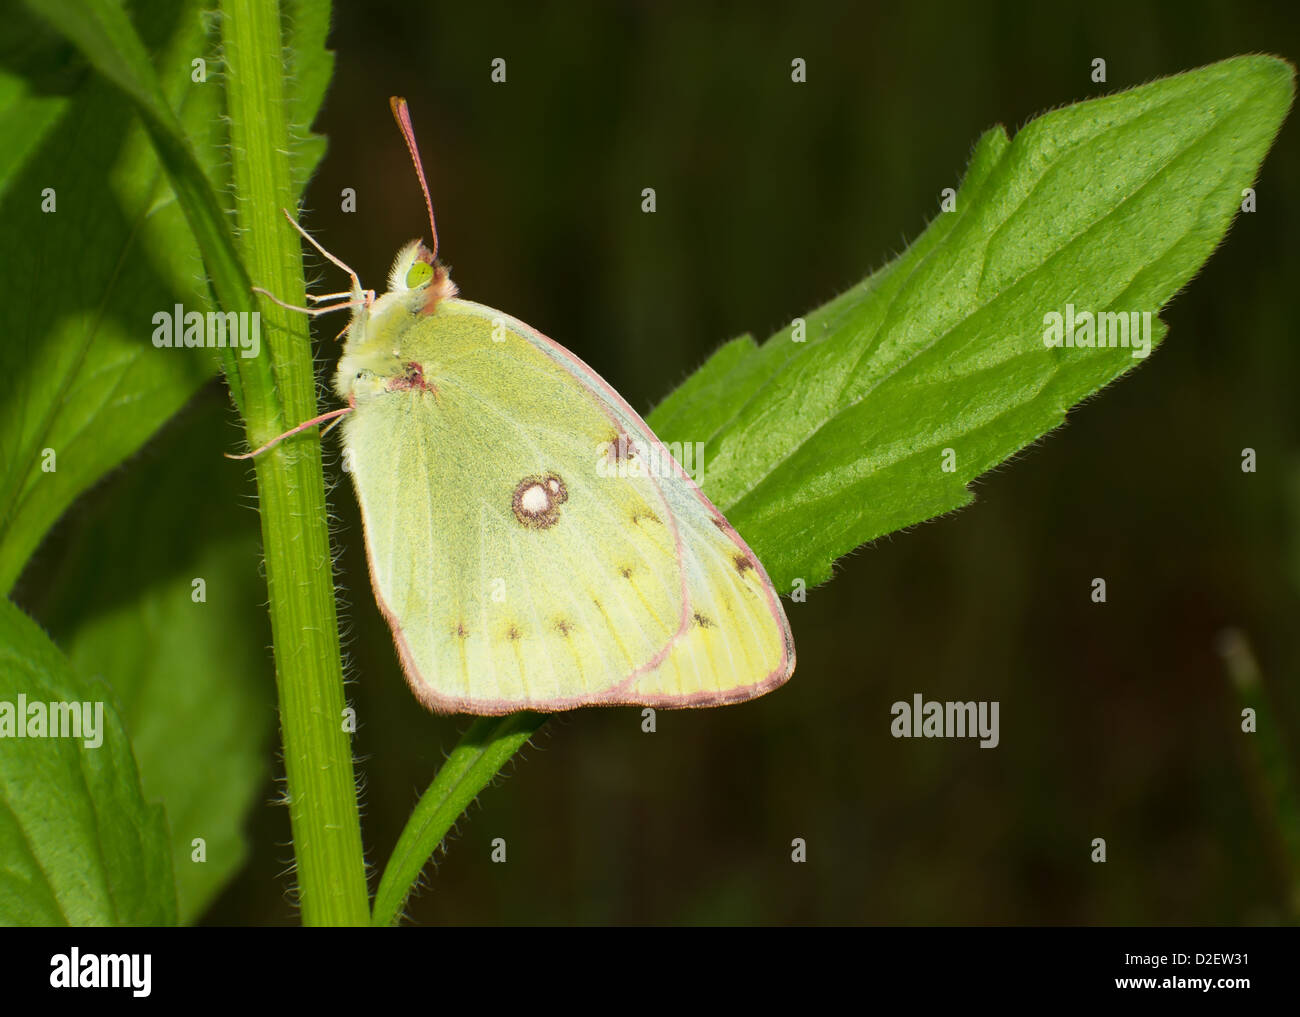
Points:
[[403, 117]]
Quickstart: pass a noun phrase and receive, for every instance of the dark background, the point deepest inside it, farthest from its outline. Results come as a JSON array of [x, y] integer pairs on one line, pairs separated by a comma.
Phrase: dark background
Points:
[[1117, 720]]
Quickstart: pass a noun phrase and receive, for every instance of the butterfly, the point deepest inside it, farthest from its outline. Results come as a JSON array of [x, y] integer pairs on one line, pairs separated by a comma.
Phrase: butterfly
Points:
[[531, 543]]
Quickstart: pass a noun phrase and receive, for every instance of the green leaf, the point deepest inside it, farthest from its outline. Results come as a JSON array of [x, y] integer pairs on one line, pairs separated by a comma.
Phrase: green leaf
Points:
[[193, 679], [307, 25], [105, 36], [79, 843], [816, 447], [83, 378], [481, 752]]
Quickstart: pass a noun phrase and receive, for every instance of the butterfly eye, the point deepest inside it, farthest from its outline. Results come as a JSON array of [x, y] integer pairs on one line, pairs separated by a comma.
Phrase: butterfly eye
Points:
[[421, 272]]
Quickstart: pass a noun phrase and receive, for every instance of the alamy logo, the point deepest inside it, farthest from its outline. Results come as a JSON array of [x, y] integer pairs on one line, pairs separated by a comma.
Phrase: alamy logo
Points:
[[179, 329], [74, 970], [921, 719], [630, 457], [52, 720], [1102, 330]]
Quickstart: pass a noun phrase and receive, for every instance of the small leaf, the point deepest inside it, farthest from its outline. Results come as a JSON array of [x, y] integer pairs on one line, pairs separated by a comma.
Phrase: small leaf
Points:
[[1110, 205], [480, 753], [79, 844]]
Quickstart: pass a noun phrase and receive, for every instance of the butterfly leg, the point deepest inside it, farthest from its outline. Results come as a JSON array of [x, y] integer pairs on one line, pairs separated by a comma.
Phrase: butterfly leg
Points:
[[313, 311], [365, 300], [367, 295], [333, 416]]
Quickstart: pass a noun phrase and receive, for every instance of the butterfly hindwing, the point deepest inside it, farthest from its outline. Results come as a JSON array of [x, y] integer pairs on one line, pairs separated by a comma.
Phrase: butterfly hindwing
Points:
[[534, 546]]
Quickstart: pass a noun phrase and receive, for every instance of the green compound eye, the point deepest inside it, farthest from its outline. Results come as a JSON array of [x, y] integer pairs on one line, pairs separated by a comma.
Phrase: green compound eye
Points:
[[421, 272]]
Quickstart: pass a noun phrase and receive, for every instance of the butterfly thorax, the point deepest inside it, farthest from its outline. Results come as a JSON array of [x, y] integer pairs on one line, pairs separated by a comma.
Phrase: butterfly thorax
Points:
[[372, 361]]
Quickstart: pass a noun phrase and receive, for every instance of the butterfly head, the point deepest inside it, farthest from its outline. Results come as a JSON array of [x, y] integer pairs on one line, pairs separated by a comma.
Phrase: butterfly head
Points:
[[419, 280]]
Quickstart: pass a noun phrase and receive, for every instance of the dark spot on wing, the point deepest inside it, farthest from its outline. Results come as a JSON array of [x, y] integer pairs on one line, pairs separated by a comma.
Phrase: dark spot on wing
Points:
[[743, 563], [703, 621], [641, 512], [621, 445], [411, 378], [537, 500]]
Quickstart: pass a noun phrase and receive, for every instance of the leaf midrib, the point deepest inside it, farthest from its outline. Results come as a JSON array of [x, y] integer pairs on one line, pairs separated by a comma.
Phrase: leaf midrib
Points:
[[887, 317]]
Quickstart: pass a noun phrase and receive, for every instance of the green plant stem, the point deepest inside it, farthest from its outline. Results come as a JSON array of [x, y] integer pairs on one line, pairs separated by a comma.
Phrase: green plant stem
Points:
[[482, 751], [317, 753]]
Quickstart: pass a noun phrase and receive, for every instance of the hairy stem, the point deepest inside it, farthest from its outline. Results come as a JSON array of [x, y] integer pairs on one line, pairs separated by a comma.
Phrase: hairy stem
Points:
[[291, 489]]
